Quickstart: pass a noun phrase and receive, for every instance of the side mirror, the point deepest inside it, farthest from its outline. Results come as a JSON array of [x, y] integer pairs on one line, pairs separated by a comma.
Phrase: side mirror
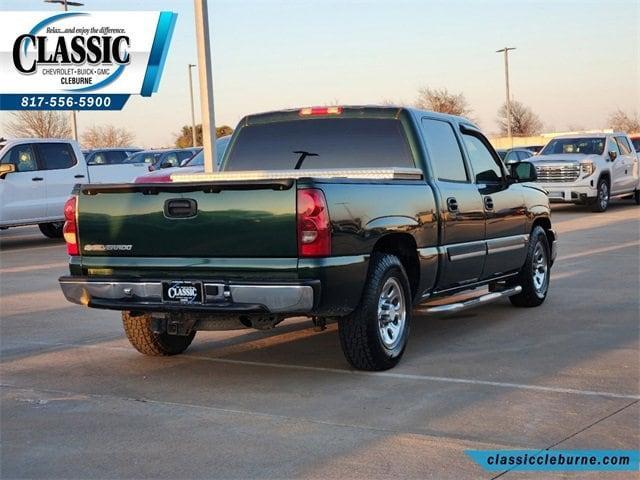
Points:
[[523, 172], [613, 155], [6, 169]]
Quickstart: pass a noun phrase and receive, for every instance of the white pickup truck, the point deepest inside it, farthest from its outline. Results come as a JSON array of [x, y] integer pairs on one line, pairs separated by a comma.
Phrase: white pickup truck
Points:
[[37, 176], [589, 169]]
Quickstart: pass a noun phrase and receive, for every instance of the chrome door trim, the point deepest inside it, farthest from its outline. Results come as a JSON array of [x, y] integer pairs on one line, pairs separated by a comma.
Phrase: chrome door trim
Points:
[[506, 244]]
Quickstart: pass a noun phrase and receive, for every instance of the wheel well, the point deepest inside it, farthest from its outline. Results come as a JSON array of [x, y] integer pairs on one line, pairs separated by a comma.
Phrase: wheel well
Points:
[[403, 246], [545, 223], [606, 175]]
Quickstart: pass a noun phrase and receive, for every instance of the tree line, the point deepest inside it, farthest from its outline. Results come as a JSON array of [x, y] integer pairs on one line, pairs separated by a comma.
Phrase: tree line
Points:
[[524, 122]]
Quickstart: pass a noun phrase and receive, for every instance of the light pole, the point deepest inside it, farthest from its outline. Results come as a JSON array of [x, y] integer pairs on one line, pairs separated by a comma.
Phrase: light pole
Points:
[[65, 4], [206, 83], [506, 78], [193, 115]]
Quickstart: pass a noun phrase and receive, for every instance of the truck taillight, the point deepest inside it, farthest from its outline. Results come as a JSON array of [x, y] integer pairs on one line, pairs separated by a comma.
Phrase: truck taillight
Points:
[[70, 229], [314, 229]]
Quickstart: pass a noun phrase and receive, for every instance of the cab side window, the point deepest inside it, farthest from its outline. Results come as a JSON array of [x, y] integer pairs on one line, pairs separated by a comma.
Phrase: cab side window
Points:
[[612, 146], [97, 159], [444, 151], [22, 157], [484, 165], [56, 156]]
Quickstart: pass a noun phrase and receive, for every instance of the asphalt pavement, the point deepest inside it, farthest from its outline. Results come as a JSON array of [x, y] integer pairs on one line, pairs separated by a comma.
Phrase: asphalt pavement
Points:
[[78, 402]]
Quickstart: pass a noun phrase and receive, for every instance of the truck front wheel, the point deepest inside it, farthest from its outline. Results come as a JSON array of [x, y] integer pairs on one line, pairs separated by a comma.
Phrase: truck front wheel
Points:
[[535, 274], [601, 202], [375, 335], [51, 230], [145, 340]]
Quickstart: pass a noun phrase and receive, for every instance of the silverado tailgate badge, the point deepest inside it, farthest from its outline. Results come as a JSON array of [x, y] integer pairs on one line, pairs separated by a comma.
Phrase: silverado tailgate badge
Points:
[[97, 247]]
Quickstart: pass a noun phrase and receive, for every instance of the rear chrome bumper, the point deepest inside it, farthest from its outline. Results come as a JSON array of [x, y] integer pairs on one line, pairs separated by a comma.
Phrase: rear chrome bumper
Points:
[[218, 296]]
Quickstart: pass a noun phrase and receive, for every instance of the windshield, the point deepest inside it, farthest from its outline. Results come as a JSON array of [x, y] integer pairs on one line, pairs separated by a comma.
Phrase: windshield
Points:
[[582, 146], [143, 157], [198, 158], [320, 143]]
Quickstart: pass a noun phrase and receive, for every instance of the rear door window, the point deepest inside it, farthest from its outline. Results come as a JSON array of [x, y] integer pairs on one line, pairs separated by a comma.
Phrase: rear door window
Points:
[[444, 151], [115, 157], [321, 143], [56, 156], [625, 148]]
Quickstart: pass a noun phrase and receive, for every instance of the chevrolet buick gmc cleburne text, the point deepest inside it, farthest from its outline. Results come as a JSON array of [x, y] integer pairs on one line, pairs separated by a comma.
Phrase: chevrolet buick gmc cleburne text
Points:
[[351, 213]]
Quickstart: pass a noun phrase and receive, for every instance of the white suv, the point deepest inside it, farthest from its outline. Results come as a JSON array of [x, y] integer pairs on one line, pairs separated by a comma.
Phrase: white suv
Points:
[[589, 169]]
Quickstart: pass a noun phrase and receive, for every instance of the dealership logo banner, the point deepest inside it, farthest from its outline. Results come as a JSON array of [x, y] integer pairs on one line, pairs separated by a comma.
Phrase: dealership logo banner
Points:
[[81, 60]]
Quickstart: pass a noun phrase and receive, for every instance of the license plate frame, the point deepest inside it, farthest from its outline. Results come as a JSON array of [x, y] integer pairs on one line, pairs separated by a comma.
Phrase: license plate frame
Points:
[[183, 292]]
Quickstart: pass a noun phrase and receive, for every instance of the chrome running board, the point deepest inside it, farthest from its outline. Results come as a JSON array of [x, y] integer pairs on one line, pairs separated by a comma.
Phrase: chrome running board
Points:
[[472, 302]]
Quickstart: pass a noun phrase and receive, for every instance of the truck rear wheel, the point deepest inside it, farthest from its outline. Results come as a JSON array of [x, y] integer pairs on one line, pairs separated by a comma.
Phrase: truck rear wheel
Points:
[[375, 335], [535, 274], [51, 230], [145, 340]]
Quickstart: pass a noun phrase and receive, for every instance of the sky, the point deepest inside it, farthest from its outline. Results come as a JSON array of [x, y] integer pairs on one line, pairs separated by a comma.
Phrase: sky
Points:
[[575, 61]]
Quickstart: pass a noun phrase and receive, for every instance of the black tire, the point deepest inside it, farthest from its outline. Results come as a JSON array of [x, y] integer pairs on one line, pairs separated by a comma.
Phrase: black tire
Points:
[[636, 197], [360, 332], [601, 202], [51, 230], [143, 339], [533, 292]]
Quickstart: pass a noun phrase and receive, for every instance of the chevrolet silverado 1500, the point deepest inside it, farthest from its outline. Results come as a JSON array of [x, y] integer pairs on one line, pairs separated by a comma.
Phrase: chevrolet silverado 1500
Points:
[[352, 213]]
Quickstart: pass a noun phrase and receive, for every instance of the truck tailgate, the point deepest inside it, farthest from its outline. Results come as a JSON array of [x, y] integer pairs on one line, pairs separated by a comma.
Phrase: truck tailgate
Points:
[[227, 219]]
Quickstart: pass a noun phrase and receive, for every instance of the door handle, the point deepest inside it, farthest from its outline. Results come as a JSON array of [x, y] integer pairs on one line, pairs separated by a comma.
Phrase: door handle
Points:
[[37, 179], [78, 176], [180, 208], [452, 204], [488, 203]]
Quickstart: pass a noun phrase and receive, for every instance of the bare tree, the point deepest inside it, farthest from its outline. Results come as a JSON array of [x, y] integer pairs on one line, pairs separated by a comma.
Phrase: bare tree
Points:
[[524, 123], [38, 124], [440, 100], [100, 136], [623, 122]]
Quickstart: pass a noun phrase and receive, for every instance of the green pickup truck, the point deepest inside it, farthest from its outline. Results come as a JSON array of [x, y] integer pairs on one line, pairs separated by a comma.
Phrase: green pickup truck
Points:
[[356, 214]]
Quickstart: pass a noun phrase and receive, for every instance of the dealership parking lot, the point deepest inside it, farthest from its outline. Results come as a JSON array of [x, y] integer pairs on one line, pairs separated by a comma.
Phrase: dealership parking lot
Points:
[[78, 401]]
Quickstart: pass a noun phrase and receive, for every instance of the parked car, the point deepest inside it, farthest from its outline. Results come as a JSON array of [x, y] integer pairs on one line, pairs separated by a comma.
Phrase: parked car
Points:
[[589, 169], [108, 156], [514, 154], [354, 213], [533, 148], [37, 175], [517, 155], [163, 158], [194, 164]]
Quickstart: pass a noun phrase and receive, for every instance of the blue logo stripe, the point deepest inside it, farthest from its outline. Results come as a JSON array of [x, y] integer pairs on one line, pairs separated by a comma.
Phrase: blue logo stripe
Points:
[[158, 54], [48, 21]]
